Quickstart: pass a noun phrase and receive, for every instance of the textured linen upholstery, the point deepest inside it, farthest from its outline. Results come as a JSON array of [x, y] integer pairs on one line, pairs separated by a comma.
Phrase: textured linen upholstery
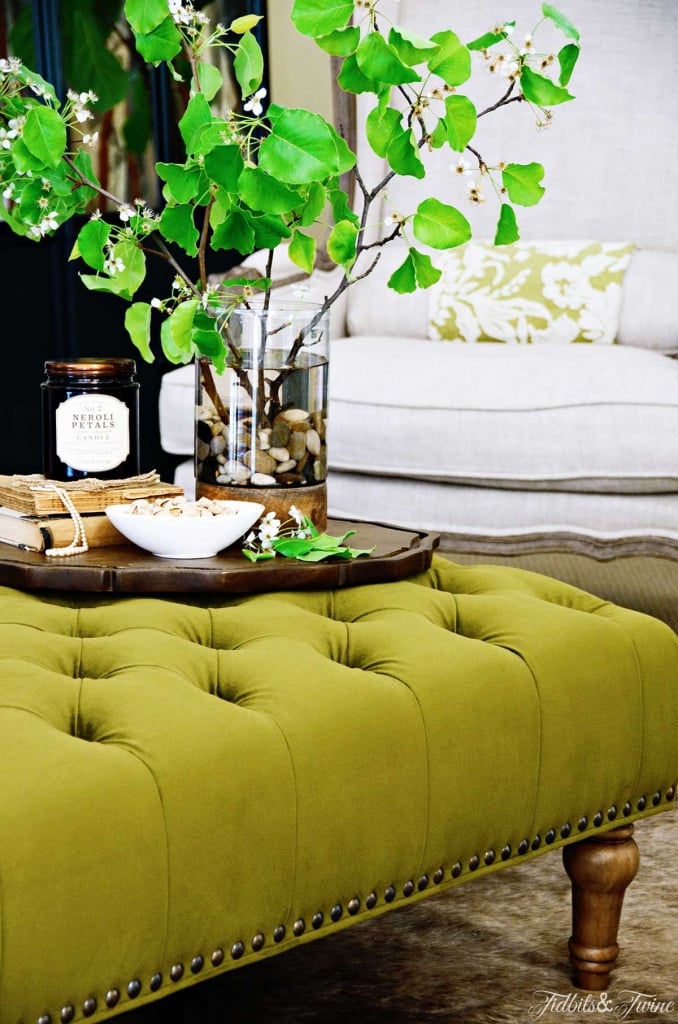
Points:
[[192, 784]]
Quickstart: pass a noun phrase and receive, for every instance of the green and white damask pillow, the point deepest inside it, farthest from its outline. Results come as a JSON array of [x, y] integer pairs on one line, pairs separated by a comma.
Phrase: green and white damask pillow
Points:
[[530, 292]]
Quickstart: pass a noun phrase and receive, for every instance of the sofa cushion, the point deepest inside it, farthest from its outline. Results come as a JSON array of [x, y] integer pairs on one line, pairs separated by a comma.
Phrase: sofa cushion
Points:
[[569, 417], [554, 291]]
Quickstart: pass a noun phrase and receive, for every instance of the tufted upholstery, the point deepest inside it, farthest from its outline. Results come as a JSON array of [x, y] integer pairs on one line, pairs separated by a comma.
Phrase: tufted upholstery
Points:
[[189, 783]]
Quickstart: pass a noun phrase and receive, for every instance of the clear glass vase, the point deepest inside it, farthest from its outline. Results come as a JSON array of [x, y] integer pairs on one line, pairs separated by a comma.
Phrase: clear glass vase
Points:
[[261, 426]]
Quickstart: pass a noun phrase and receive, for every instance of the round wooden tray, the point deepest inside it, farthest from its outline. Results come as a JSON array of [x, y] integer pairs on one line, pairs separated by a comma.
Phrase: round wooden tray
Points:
[[129, 570]]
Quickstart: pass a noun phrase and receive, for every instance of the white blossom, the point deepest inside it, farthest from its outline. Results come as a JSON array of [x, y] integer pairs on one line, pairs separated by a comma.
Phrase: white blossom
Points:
[[254, 104]]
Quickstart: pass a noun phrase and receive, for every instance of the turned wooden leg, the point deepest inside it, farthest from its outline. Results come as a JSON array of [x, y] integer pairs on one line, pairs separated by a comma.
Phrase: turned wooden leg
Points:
[[600, 869]]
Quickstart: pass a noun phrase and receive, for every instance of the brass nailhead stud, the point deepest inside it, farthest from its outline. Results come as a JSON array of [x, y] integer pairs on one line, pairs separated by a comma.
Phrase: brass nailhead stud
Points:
[[523, 846], [490, 857], [506, 852], [279, 933], [582, 823], [371, 901], [598, 819], [550, 836], [456, 870], [237, 950], [389, 894], [197, 964], [656, 799], [438, 877], [612, 811], [67, 1014], [299, 927], [317, 919], [134, 988], [89, 1007], [408, 888], [112, 998], [474, 862], [176, 972], [353, 906], [45, 1019], [565, 830], [258, 942], [626, 809], [156, 982], [336, 911], [217, 957]]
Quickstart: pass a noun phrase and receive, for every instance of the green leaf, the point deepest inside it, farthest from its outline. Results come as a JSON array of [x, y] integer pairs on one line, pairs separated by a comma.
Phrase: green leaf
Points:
[[379, 62], [340, 43], [170, 347], [351, 78], [88, 61], [404, 279], [177, 225], [224, 164], [248, 64], [196, 115], [90, 243], [235, 232], [507, 226], [426, 274], [207, 339], [541, 90], [439, 225], [303, 148], [261, 191], [145, 15], [257, 556], [522, 182], [460, 121], [245, 24], [452, 63], [320, 17], [341, 209], [44, 135], [302, 251], [135, 266], [138, 325], [411, 48], [490, 38], [210, 78], [269, 230], [183, 183], [314, 204], [560, 21], [181, 323], [567, 58], [341, 245], [403, 155], [381, 128], [162, 44]]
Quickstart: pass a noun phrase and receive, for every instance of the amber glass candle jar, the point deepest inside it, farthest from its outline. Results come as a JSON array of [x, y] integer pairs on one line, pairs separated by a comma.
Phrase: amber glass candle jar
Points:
[[90, 419]]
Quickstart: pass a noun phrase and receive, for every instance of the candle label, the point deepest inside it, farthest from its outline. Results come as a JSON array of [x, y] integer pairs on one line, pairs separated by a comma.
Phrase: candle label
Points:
[[92, 432]]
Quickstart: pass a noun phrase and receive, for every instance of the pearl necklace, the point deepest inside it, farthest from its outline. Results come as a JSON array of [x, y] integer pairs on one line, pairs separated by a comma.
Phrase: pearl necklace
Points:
[[79, 544]]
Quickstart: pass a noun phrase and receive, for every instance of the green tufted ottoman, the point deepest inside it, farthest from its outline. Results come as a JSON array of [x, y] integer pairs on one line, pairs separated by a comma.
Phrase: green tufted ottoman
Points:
[[190, 784]]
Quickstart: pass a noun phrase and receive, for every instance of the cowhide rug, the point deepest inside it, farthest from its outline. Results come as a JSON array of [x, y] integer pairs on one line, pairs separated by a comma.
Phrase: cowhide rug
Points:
[[493, 951]]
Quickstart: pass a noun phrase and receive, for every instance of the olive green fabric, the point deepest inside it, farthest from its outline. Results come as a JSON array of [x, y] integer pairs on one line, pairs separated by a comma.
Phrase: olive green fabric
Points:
[[183, 776]]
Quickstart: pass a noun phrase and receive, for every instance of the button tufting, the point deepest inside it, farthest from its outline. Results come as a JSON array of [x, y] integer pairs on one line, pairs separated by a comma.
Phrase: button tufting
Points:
[[133, 988], [176, 972], [258, 942], [67, 1014], [408, 888], [89, 1006], [506, 852], [582, 823], [523, 846], [217, 957], [438, 876], [317, 919], [490, 857], [237, 950], [197, 964], [156, 982], [371, 901], [299, 927], [550, 836], [474, 862], [336, 911], [353, 906], [389, 894], [456, 870], [565, 830], [279, 933]]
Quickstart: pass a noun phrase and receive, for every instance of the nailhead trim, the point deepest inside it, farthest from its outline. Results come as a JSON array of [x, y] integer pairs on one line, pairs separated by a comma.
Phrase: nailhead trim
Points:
[[134, 988], [670, 794], [408, 888], [317, 920], [237, 950], [371, 901], [258, 942], [112, 998], [456, 870], [156, 982], [45, 1019], [197, 964], [474, 862], [89, 1006], [217, 957], [336, 911], [67, 1014], [389, 894], [353, 906], [299, 927], [279, 933], [550, 836], [176, 972], [439, 876], [422, 883]]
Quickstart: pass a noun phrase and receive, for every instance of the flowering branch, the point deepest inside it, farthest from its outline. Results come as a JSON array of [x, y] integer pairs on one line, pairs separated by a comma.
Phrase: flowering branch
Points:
[[297, 538]]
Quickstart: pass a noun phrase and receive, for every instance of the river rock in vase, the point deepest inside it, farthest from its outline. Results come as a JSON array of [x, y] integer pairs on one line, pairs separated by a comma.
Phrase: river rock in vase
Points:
[[261, 425]]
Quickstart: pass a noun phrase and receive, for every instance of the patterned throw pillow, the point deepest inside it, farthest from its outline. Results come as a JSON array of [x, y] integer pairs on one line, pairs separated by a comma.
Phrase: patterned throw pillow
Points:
[[530, 292]]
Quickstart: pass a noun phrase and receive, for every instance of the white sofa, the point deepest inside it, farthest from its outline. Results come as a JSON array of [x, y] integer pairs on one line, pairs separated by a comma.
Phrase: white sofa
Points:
[[519, 447]]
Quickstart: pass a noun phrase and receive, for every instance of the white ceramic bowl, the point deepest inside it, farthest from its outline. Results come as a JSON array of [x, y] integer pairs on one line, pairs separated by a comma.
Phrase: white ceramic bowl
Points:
[[186, 536]]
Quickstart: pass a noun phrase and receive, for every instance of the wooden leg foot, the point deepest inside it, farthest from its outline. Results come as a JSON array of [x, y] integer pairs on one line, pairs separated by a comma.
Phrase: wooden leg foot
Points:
[[600, 869]]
